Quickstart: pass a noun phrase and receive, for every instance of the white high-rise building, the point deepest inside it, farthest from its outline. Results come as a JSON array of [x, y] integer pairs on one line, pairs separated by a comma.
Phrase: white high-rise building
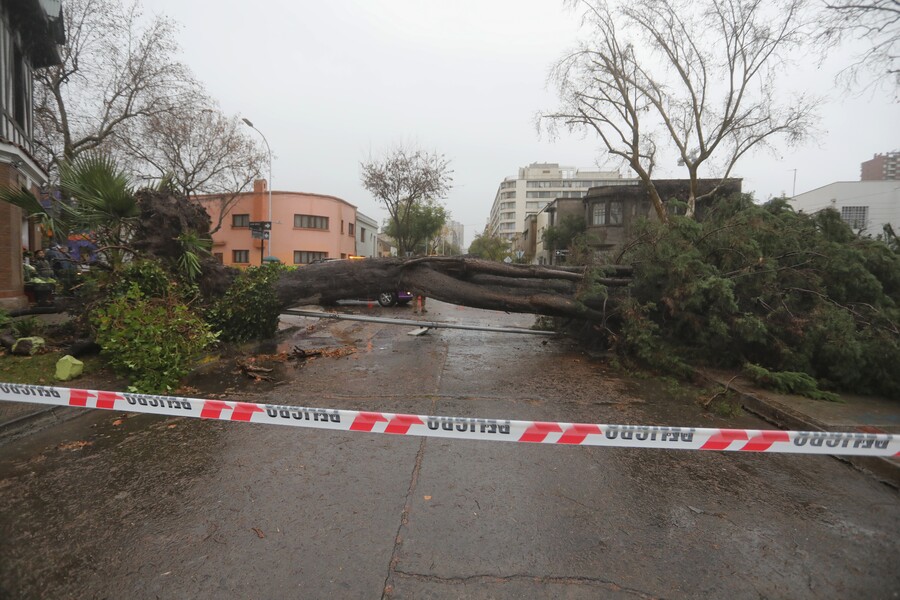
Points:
[[455, 233], [537, 185]]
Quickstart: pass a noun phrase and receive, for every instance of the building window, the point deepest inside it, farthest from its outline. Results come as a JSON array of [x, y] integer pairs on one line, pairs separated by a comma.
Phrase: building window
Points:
[[220, 258], [240, 256], [508, 215], [608, 213], [20, 99], [240, 220], [571, 194], [362, 234], [304, 257], [310, 222], [507, 206], [616, 213], [857, 217], [351, 229]]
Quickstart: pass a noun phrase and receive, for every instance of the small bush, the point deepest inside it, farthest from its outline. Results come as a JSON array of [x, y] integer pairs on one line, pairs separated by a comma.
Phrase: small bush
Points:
[[249, 309], [27, 327], [150, 277], [154, 341]]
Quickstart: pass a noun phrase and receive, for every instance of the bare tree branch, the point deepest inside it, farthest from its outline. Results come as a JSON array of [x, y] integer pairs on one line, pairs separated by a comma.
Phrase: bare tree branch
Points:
[[117, 67], [698, 75], [877, 22], [402, 179], [200, 150]]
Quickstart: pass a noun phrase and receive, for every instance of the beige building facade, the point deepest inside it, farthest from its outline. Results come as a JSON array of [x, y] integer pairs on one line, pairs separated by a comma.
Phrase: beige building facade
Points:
[[537, 185], [305, 227]]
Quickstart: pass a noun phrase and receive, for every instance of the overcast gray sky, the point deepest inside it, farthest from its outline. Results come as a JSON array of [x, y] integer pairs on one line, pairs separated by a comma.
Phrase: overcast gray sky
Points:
[[330, 83]]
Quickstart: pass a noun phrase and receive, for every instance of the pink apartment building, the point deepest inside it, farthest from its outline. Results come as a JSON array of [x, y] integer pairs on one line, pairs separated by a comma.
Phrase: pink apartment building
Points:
[[305, 227]]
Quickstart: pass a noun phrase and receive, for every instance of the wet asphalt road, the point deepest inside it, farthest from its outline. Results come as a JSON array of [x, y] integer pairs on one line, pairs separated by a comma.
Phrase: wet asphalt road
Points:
[[111, 505]]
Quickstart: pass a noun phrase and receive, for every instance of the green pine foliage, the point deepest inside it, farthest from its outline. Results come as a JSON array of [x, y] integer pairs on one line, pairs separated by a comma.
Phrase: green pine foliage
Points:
[[762, 284], [791, 382]]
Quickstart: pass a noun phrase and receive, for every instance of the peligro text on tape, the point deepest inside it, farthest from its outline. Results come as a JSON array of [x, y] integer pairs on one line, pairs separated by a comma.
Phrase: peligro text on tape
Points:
[[584, 434]]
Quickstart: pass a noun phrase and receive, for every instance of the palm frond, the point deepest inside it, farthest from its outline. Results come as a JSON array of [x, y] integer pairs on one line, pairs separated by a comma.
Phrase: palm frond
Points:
[[29, 203], [102, 191], [23, 199]]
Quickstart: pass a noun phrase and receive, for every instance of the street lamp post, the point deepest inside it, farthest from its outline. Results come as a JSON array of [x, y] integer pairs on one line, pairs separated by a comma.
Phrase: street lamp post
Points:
[[269, 150]]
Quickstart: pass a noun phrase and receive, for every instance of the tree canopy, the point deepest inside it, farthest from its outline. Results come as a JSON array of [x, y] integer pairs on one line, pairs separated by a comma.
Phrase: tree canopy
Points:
[[406, 181], [116, 67], [877, 24], [122, 89], [767, 286], [698, 78], [489, 247], [423, 226]]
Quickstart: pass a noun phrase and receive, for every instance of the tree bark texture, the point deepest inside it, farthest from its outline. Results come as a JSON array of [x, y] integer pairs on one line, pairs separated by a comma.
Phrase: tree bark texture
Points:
[[458, 280]]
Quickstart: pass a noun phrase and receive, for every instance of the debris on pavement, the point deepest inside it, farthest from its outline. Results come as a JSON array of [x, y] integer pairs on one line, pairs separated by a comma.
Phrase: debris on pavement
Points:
[[68, 367], [253, 371]]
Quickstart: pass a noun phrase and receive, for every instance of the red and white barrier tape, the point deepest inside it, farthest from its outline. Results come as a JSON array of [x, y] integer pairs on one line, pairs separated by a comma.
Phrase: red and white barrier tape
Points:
[[584, 434]]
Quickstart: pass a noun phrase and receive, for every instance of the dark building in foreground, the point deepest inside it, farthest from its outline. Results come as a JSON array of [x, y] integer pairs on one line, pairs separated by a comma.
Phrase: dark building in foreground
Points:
[[611, 213]]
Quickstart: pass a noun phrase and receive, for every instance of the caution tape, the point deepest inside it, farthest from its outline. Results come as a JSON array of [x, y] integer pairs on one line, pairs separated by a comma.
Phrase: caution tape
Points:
[[468, 428]]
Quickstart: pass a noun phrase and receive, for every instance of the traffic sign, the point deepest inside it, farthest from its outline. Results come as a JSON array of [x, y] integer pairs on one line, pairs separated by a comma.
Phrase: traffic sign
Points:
[[259, 235], [261, 225]]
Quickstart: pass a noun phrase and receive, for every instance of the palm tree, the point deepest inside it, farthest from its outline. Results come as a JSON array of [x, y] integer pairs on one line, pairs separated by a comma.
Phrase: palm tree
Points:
[[98, 199], [102, 202]]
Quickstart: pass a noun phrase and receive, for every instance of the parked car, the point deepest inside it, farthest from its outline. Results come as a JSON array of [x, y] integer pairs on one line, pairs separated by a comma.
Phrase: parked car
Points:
[[388, 298], [395, 298]]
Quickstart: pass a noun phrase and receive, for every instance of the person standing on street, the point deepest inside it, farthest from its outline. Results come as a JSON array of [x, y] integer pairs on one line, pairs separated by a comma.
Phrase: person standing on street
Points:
[[420, 304]]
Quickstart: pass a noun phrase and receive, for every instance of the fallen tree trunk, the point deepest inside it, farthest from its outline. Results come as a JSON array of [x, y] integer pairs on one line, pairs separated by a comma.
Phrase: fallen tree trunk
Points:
[[457, 280], [554, 290]]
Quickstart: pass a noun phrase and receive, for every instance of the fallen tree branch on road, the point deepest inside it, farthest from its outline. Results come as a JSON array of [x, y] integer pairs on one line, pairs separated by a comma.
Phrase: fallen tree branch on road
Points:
[[471, 282]]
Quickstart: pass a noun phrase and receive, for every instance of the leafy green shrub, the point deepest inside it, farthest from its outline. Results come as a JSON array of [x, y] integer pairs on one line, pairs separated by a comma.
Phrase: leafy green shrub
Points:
[[153, 340], [249, 309], [150, 276], [4, 318], [27, 327]]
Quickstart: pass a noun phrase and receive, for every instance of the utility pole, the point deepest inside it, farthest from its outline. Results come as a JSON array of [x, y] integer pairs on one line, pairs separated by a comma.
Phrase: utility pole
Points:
[[268, 184]]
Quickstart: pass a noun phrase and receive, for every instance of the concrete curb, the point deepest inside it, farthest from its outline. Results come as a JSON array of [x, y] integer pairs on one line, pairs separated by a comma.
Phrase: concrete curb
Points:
[[885, 470]]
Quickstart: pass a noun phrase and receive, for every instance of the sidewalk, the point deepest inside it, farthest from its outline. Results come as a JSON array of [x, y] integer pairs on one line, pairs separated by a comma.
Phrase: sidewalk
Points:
[[864, 414]]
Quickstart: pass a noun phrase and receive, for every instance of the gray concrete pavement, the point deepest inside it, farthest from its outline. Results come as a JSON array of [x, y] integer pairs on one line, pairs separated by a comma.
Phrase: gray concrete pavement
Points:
[[151, 507]]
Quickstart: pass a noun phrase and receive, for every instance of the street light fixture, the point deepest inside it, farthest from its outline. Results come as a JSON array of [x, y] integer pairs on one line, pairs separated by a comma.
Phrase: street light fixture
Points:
[[269, 150]]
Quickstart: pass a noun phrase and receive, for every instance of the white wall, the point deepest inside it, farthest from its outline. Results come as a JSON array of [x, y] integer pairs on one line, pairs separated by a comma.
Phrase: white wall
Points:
[[368, 247], [882, 198]]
